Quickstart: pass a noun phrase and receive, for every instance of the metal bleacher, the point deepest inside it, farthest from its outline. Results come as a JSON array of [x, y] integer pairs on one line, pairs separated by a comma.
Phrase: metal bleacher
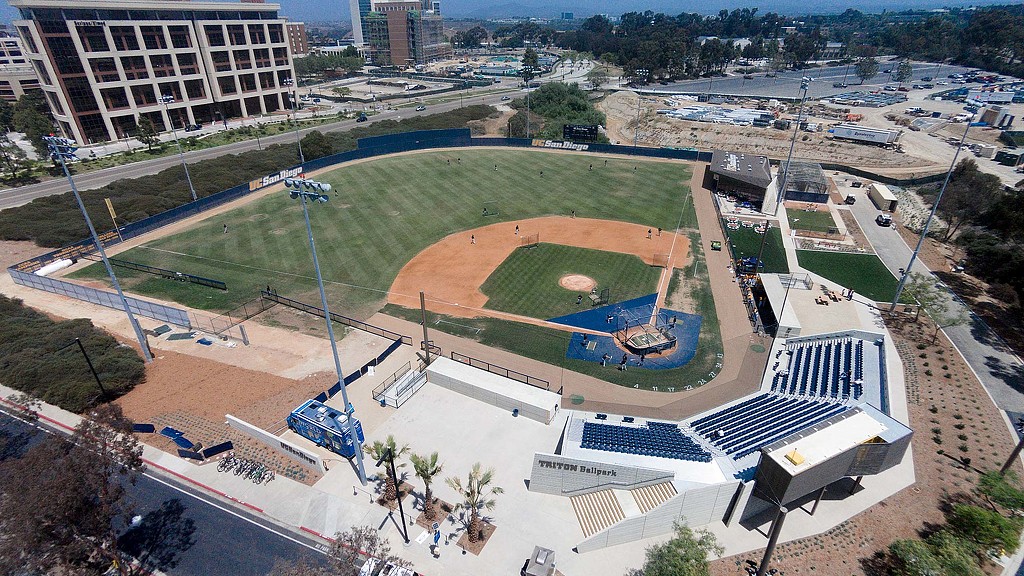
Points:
[[660, 439], [823, 369], [745, 427]]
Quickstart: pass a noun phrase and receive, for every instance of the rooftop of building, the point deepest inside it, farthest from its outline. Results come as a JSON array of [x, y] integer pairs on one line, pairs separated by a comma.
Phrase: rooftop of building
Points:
[[174, 5], [748, 168]]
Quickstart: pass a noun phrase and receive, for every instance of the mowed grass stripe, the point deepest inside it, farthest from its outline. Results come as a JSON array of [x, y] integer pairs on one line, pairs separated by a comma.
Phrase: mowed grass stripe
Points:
[[526, 283], [360, 242]]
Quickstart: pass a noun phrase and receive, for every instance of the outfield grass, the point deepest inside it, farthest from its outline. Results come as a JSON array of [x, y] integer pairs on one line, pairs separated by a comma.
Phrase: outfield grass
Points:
[[384, 211], [745, 243], [526, 283], [817, 221], [864, 273]]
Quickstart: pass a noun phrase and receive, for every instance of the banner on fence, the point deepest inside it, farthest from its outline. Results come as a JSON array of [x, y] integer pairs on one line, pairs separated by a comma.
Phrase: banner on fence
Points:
[[274, 178], [559, 145]]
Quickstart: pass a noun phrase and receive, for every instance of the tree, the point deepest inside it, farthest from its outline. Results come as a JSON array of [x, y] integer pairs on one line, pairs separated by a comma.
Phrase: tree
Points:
[[530, 58], [957, 556], [426, 468], [378, 451], [471, 38], [350, 549], [686, 554], [476, 496], [866, 68], [6, 115], [912, 558], [597, 76], [31, 117], [316, 145], [904, 71], [14, 158], [934, 300], [147, 133], [58, 502], [984, 527], [969, 194]]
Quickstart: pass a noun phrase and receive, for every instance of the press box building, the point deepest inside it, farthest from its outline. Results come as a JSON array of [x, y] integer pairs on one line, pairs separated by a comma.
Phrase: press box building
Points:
[[103, 65]]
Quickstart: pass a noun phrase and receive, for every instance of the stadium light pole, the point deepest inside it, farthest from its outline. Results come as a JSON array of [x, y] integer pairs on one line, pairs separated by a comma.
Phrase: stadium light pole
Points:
[[295, 115], [62, 149], [805, 82], [313, 191], [528, 75], [166, 100], [928, 222], [642, 73]]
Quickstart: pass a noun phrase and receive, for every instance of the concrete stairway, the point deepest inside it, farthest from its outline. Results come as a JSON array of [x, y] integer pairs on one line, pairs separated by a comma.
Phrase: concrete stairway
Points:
[[649, 497], [597, 511]]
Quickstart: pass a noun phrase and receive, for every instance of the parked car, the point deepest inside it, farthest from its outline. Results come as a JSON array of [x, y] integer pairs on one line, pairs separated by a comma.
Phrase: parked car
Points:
[[889, 88], [505, 98], [851, 199], [839, 85], [770, 75], [361, 118], [193, 127], [421, 108], [884, 220], [316, 100], [903, 89], [748, 76], [926, 79], [887, 71]]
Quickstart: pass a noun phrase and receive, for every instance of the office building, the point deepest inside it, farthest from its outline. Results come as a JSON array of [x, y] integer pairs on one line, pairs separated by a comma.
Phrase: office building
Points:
[[102, 66], [297, 40], [16, 74], [358, 9], [406, 33]]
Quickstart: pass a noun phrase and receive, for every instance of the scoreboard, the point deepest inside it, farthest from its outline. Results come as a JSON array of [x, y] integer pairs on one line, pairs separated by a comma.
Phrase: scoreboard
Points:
[[580, 132]]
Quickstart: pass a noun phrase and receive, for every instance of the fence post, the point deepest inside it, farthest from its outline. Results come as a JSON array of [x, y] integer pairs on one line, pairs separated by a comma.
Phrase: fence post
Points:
[[245, 337]]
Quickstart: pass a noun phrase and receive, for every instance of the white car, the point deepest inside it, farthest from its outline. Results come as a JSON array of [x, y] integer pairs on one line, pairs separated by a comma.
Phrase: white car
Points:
[[421, 108]]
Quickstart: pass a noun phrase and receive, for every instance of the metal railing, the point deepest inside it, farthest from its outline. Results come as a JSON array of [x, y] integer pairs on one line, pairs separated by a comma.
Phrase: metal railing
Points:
[[316, 311], [234, 317], [502, 371], [168, 274]]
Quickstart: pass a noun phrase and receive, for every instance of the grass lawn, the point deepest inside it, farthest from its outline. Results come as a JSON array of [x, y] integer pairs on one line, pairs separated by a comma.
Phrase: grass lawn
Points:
[[526, 283], [385, 211], [817, 221], [864, 273], [745, 242]]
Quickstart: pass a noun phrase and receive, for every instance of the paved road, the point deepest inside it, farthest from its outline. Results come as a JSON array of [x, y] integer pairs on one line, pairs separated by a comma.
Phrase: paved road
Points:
[[226, 541], [787, 83], [12, 197], [998, 368]]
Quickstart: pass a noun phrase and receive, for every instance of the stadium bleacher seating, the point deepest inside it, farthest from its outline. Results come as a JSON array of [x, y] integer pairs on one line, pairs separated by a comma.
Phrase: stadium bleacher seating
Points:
[[661, 439], [823, 369]]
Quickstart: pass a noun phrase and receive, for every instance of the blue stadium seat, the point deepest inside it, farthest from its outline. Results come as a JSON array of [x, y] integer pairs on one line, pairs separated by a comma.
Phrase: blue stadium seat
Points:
[[661, 439]]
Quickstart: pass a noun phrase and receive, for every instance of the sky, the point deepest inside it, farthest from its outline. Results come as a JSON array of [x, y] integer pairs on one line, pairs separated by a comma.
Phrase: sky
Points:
[[335, 10]]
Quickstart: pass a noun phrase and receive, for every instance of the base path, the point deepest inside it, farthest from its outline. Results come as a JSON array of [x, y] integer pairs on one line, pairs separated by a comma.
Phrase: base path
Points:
[[452, 270]]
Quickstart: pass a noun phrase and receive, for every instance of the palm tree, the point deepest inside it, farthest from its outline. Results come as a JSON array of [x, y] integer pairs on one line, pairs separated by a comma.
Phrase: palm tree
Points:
[[426, 467], [476, 496], [377, 451]]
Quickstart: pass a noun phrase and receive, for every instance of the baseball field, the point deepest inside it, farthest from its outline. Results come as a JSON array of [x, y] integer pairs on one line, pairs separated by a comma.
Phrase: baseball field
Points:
[[384, 212]]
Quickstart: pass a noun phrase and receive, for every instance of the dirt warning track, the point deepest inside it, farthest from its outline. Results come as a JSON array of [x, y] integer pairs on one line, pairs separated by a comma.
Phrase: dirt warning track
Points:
[[451, 271]]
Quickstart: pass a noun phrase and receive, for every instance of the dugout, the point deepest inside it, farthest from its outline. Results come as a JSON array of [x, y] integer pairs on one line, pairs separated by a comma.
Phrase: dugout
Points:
[[805, 182], [505, 393], [745, 176]]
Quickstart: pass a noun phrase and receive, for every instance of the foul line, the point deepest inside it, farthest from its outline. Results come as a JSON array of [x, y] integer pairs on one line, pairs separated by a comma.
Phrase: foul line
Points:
[[668, 265]]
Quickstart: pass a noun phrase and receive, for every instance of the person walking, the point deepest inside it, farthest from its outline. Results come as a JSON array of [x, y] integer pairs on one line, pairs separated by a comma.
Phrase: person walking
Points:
[[472, 238], [517, 229]]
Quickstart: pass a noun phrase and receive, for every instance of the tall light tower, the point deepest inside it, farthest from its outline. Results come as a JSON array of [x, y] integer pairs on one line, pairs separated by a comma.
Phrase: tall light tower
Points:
[[166, 100], [528, 75], [295, 115], [642, 76], [314, 191], [63, 149]]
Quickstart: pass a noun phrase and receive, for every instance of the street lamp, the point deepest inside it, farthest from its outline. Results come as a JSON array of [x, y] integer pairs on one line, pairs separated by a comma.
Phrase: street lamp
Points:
[[314, 191], [166, 100], [61, 149], [390, 457], [103, 392], [928, 222], [295, 115]]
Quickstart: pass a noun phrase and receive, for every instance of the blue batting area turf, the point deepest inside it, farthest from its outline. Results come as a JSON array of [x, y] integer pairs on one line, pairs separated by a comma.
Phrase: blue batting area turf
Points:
[[686, 330], [610, 317]]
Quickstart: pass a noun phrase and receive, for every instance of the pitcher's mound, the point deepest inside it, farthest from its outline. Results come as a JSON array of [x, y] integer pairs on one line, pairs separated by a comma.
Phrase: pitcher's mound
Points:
[[577, 282]]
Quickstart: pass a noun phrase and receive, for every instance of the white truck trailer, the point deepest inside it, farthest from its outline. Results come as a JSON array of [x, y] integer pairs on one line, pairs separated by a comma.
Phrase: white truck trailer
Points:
[[866, 134]]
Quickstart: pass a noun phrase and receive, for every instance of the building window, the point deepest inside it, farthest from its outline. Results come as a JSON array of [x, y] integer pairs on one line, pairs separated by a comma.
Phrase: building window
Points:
[[227, 85], [124, 38], [248, 82], [114, 98], [180, 38], [26, 37], [93, 38], [134, 68], [80, 95], [41, 72], [55, 105], [143, 95], [187, 64], [162, 65], [267, 80], [154, 38], [172, 89], [236, 33], [94, 128], [221, 61], [262, 56], [195, 89], [64, 54], [104, 69], [276, 33], [256, 35], [242, 61], [214, 35], [280, 56]]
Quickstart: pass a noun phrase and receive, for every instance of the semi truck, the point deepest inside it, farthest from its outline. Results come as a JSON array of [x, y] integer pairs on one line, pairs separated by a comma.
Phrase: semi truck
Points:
[[326, 426], [866, 134], [882, 197]]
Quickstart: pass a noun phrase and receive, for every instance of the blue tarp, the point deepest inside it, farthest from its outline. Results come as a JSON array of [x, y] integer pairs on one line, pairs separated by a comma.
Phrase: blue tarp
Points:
[[171, 432]]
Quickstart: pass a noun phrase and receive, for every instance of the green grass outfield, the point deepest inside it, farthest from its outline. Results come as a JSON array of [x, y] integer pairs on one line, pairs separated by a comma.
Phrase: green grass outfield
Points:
[[864, 273], [746, 242], [526, 283], [817, 221], [383, 212]]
